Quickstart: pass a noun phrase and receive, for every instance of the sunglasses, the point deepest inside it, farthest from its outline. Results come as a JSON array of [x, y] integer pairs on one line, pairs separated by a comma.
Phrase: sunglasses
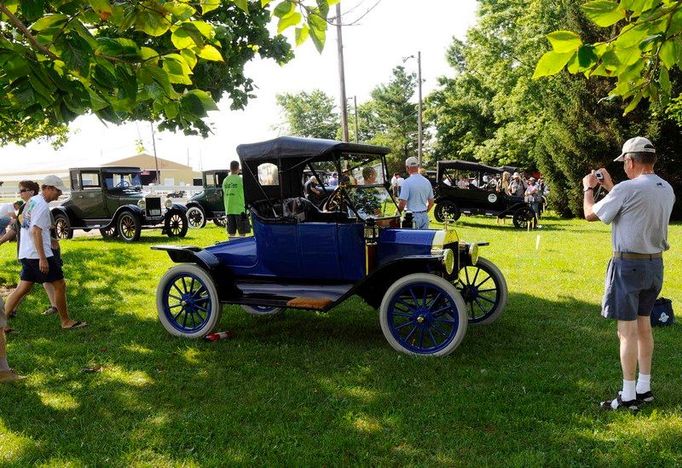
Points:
[[24, 190]]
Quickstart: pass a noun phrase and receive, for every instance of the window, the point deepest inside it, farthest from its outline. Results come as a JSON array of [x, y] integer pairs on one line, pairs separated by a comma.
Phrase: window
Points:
[[90, 180], [268, 174]]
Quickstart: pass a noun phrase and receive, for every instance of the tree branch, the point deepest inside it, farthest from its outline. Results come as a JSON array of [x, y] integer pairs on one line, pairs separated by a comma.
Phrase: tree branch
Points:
[[24, 30]]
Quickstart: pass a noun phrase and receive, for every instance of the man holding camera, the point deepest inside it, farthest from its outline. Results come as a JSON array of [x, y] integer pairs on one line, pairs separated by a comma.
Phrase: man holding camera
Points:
[[639, 211]]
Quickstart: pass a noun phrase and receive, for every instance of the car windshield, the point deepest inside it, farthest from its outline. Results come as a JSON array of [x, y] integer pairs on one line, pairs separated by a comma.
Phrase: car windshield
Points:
[[468, 179], [123, 181]]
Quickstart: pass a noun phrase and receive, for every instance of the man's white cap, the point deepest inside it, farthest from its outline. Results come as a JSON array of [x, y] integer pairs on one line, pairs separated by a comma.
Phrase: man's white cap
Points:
[[54, 181], [636, 145], [515, 175], [412, 162]]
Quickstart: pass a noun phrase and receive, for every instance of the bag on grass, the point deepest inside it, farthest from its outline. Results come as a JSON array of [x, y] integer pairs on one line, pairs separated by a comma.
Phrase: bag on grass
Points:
[[662, 314]]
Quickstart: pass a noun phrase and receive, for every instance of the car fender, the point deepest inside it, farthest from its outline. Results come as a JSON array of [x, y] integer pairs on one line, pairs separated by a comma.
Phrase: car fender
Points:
[[176, 207], [136, 210], [196, 203], [222, 277], [66, 211]]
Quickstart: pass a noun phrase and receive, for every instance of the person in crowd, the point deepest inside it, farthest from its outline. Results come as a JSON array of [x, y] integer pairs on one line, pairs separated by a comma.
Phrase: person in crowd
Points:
[[333, 180], [233, 199], [27, 189], [463, 182], [6, 373], [8, 214], [313, 191], [638, 210], [38, 261], [517, 187], [503, 186], [533, 197], [446, 180], [416, 194]]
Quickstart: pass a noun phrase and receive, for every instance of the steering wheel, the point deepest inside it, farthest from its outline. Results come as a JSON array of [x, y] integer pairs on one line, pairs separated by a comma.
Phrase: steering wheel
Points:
[[335, 201], [123, 184]]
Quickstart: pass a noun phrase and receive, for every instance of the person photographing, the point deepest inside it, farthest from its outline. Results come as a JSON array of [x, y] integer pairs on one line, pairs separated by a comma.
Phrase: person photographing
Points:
[[638, 210]]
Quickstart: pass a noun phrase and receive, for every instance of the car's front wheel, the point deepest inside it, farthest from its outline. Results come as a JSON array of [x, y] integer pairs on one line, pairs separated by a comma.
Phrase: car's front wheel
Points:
[[522, 217], [262, 310], [62, 226], [196, 218], [423, 314], [109, 232], [129, 226], [187, 301], [176, 224], [484, 291], [446, 211]]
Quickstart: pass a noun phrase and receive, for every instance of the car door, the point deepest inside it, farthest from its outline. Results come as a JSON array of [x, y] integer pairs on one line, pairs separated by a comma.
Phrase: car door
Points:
[[214, 192], [89, 200]]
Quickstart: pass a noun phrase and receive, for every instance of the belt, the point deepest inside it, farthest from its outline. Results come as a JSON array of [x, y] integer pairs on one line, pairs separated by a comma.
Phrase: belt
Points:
[[636, 256], [424, 211]]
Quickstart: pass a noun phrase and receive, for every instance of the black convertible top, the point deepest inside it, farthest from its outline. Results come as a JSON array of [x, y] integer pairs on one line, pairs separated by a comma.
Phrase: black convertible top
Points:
[[301, 148]]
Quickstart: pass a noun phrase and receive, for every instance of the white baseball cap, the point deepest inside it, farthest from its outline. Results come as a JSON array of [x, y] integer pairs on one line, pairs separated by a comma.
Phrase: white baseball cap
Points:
[[412, 162], [54, 181], [636, 145]]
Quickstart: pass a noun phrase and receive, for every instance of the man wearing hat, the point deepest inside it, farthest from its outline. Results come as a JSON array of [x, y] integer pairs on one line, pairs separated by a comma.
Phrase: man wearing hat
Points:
[[416, 194], [638, 210], [38, 262]]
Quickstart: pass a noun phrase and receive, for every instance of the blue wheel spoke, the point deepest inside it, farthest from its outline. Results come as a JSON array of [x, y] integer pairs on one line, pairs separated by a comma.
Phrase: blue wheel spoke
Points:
[[433, 340], [435, 300], [174, 297], [191, 285], [184, 322], [199, 291], [200, 308], [437, 313], [421, 338], [409, 335], [438, 329], [444, 321], [184, 285], [194, 324], [174, 306], [414, 298], [400, 301], [177, 289], [175, 317], [404, 324]]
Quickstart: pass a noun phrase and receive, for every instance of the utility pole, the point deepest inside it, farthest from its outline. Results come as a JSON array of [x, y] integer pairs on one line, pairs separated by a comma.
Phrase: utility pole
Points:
[[419, 109], [357, 130], [342, 75], [156, 161]]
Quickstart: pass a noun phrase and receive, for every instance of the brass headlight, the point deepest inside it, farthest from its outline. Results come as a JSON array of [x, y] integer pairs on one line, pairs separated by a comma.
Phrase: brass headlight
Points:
[[448, 261], [473, 253], [141, 204]]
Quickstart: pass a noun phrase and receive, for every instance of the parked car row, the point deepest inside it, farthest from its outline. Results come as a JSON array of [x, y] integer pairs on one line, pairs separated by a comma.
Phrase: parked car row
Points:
[[111, 200]]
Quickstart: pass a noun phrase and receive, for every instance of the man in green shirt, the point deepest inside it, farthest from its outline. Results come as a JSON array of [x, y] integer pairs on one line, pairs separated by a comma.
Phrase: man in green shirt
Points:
[[233, 197]]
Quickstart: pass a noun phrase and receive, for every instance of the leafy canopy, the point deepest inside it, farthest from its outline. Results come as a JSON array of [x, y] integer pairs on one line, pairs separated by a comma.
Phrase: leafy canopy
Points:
[[149, 59], [641, 55]]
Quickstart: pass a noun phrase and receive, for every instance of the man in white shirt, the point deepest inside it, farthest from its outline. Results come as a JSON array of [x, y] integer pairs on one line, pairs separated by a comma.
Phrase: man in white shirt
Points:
[[38, 262], [639, 211], [416, 194]]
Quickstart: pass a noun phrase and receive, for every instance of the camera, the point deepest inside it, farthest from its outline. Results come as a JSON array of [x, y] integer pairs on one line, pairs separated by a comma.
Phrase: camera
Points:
[[599, 176]]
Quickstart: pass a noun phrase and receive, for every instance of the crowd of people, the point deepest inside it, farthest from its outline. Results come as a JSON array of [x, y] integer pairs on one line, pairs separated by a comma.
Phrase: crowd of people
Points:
[[39, 255]]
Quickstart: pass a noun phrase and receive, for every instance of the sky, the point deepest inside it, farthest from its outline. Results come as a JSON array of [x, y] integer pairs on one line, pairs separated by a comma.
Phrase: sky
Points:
[[373, 46]]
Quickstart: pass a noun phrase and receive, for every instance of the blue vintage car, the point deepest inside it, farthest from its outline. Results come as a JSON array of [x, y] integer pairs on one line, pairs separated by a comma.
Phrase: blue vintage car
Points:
[[426, 284]]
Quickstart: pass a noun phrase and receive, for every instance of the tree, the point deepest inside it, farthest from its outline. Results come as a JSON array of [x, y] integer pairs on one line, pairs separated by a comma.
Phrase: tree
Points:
[[310, 114], [166, 60]]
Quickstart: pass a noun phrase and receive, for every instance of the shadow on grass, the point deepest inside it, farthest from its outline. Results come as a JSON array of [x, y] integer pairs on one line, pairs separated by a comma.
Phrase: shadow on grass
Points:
[[308, 388]]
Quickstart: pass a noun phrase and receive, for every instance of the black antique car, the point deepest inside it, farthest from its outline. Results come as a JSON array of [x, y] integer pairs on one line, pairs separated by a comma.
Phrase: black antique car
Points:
[[464, 187], [110, 199], [208, 204], [427, 284]]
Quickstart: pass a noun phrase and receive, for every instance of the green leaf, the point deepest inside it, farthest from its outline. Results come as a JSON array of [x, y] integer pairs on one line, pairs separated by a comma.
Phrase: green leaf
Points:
[[628, 56], [189, 57], [283, 9], [632, 35], [564, 41], [675, 23], [152, 22], [586, 57], [209, 5], [204, 28], [302, 34], [633, 104], [610, 61], [180, 11], [291, 19], [668, 53], [148, 54], [603, 12], [208, 52], [664, 82], [551, 63], [242, 5], [264, 3], [49, 21], [102, 8], [181, 39], [205, 98]]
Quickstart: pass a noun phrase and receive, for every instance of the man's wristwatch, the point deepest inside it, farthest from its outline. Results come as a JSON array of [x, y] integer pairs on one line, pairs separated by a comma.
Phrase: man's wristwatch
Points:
[[585, 190]]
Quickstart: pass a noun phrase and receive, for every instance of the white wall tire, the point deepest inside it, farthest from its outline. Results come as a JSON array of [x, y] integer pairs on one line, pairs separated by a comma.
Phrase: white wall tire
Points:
[[261, 311], [196, 218]]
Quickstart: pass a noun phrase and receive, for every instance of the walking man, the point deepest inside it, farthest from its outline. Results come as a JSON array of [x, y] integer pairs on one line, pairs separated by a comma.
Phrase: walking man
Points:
[[639, 211], [416, 194], [38, 262], [233, 197]]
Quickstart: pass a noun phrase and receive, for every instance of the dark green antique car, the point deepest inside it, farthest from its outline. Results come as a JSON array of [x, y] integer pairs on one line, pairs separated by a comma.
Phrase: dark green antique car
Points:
[[208, 204], [111, 199]]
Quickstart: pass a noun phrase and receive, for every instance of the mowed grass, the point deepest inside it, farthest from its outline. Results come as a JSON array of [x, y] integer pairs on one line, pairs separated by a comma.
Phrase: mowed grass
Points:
[[326, 389]]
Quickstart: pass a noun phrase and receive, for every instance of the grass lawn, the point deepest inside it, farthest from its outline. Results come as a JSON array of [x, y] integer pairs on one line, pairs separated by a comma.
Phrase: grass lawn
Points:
[[315, 389]]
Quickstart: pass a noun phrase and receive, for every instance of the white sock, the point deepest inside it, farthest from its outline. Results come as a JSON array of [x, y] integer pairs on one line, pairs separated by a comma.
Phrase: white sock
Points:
[[643, 383], [629, 392], [3, 364]]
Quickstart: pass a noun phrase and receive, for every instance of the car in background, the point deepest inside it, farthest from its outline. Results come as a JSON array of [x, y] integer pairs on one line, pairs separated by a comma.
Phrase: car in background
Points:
[[208, 205], [111, 199], [465, 187], [427, 285]]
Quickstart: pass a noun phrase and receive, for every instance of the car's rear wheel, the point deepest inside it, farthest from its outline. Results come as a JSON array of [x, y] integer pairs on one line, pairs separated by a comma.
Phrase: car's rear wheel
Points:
[[196, 218], [446, 211], [262, 310], [187, 301], [176, 224], [220, 221], [484, 291], [423, 314], [522, 217], [129, 226], [109, 232], [62, 226]]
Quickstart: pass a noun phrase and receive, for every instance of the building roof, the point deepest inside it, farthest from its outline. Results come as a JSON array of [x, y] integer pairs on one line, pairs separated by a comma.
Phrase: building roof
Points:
[[146, 162]]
